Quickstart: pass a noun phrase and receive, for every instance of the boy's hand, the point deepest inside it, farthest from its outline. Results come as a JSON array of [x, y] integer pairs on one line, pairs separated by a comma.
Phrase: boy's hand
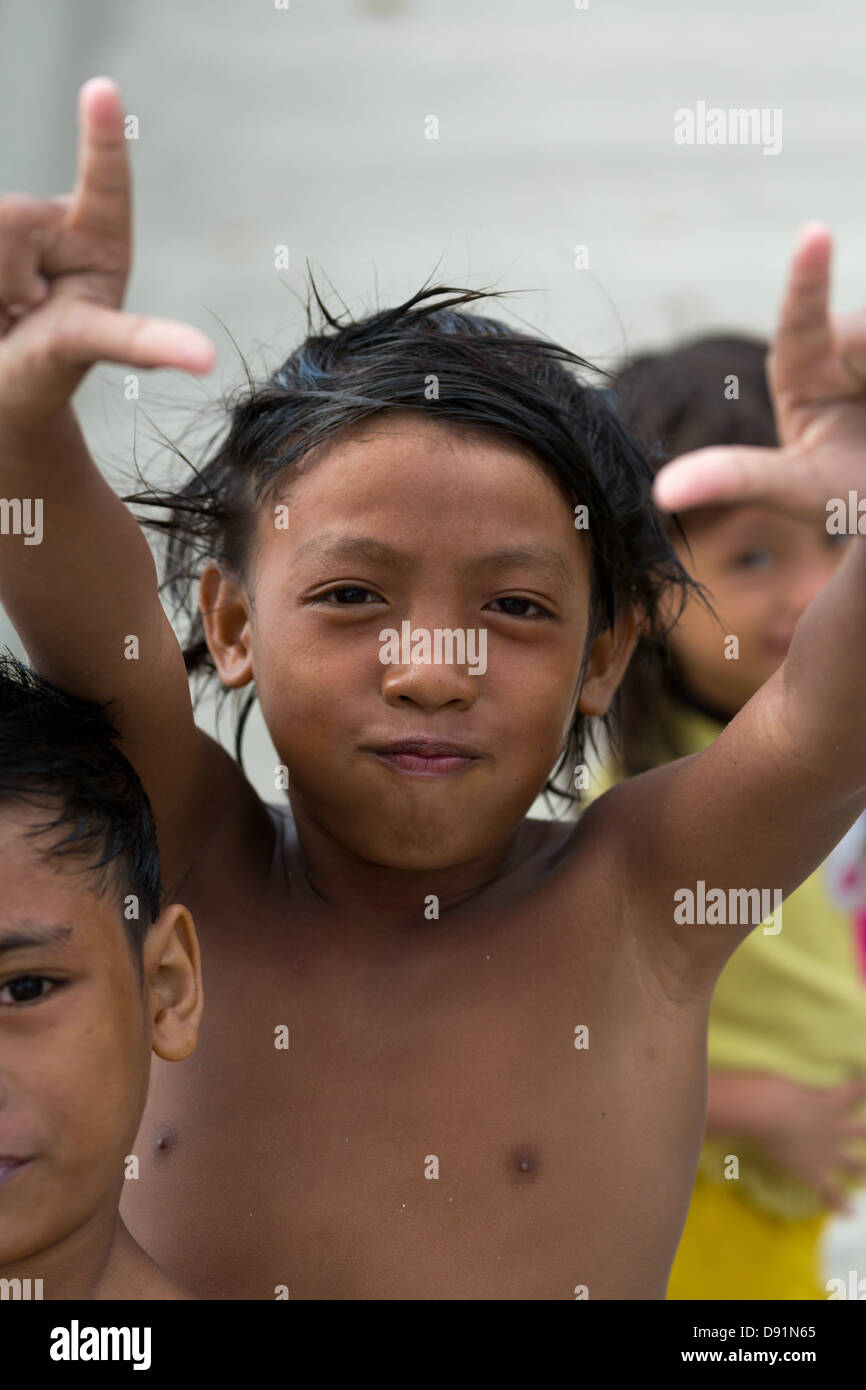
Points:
[[64, 264], [817, 374], [810, 1132]]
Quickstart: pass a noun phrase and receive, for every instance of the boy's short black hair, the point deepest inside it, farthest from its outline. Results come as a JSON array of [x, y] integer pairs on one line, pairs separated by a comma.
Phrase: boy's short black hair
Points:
[[428, 354], [57, 752], [674, 402]]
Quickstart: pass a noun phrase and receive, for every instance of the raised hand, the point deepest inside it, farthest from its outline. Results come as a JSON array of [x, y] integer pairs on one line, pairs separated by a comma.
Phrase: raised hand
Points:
[[64, 264], [817, 375]]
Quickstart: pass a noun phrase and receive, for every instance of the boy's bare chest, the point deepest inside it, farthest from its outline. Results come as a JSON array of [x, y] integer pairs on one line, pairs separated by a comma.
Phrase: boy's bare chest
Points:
[[454, 1125]]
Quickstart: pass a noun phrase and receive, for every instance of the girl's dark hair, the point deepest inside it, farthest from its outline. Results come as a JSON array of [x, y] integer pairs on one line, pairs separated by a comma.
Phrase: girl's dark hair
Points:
[[58, 754], [427, 354], [709, 391]]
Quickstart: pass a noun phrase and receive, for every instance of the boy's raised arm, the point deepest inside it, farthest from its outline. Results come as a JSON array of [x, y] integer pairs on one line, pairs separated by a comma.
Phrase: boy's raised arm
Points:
[[764, 805], [76, 574]]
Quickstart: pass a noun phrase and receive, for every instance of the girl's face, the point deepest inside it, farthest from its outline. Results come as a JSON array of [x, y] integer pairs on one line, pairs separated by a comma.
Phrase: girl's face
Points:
[[410, 521], [762, 569]]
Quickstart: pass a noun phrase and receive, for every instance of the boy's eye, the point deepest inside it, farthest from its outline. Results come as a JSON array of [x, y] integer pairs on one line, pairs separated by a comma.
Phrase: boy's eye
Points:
[[519, 611], [346, 596], [24, 989]]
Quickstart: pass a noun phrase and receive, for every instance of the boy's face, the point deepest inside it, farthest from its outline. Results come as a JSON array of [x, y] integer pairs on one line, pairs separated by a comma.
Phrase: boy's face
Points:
[[762, 569], [415, 523], [74, 1047]]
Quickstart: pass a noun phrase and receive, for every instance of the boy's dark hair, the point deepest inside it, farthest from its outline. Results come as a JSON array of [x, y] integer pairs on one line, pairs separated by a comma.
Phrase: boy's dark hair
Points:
[[674, 402], [58, 752], [488, 376]]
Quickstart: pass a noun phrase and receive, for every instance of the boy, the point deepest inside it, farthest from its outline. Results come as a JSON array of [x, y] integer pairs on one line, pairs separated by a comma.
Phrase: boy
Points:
[[495, 1078], [92, 978]]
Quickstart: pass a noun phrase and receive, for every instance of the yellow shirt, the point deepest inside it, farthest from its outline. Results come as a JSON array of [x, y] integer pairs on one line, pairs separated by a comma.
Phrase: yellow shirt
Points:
[[793, 1004]]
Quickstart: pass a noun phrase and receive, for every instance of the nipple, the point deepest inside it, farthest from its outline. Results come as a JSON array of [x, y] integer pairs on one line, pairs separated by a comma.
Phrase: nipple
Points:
[[166, 1139], [526, 1161]]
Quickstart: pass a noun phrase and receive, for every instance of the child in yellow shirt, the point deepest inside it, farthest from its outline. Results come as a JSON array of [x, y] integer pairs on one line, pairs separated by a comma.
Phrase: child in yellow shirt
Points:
[[787, 1037]]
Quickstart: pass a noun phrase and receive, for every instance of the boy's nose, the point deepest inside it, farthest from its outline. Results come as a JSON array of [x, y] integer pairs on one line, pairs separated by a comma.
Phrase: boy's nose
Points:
[[430, 685]]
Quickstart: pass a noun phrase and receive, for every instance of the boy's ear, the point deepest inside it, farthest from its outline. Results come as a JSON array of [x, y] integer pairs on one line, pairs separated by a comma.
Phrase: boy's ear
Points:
[[610, 654], [226, 618], [172, 978]]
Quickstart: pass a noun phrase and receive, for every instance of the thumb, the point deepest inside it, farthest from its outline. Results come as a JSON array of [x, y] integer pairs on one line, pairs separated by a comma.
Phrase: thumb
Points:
[[718, 475], [89, 333]]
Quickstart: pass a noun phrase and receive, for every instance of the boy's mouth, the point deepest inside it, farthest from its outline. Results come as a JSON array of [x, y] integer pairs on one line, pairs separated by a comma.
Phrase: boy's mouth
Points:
[[9, 1166], [425, 757]]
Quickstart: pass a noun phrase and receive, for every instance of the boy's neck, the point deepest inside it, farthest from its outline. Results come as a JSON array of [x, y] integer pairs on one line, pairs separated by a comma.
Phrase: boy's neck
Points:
[[98, 1261], [347, 884]]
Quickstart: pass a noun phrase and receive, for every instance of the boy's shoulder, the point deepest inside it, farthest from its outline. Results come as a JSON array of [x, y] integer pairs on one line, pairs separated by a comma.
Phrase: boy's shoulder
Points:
[[233, 830]]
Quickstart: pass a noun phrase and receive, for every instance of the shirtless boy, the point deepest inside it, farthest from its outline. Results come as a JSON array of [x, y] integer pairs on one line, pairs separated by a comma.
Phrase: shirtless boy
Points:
[[93, 977], [494, 1084]]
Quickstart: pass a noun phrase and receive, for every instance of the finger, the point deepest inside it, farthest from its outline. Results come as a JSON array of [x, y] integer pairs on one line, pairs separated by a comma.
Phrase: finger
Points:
[[850, 1093], [718, 475], [25, 225], [855, 1166], [88, 333], [102, 197], [851, 345], [833, 1196], [804, 338]]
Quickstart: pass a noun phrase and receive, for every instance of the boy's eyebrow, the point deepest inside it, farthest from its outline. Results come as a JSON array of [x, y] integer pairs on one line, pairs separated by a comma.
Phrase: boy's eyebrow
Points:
[[26, 931], [545, 557], [354, 548], [374, 551]]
